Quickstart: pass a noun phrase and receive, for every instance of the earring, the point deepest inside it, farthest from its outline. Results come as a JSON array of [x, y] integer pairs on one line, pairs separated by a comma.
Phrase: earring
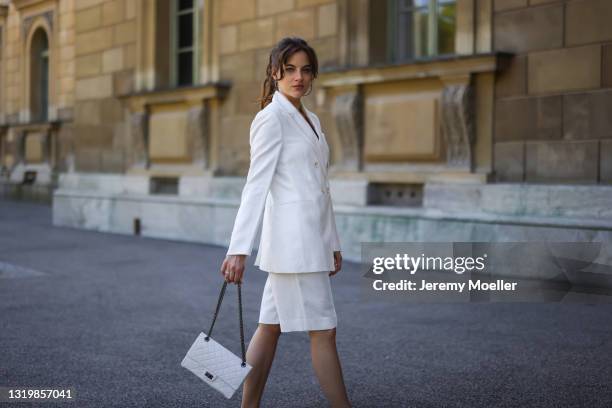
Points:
[[309, 90]]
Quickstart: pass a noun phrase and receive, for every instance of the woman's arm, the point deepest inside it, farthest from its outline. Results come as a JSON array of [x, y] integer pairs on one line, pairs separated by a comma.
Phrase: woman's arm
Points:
[[266, 142]]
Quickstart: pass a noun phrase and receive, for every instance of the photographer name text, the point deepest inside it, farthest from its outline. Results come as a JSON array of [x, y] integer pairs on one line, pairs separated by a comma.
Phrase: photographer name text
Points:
[[424, 285]]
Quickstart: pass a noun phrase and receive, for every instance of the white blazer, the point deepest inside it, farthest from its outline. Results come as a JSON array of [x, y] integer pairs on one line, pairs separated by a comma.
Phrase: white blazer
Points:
[[287, 184]]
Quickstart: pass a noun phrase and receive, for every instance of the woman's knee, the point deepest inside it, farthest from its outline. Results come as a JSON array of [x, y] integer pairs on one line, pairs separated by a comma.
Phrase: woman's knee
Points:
[[329, 334], [270, 329]]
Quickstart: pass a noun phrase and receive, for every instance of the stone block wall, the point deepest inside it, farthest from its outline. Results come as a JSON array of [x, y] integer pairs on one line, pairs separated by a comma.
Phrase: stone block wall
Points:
[[552, 121], [12, 61], [105, 60], [14, 30], [19, 22], [247, 32]]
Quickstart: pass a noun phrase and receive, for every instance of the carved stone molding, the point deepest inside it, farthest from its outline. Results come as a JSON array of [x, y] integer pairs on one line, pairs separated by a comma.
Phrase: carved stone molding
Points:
[[458, 124], [199, 135], [47, 149], [138, 153], [199, 104], [48, 132], [27, 22], [20, 136], [21, 5], [348, 114], [12, 118]]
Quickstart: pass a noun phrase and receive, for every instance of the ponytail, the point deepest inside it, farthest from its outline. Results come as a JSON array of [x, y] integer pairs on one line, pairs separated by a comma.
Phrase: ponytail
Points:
[[269, 86]]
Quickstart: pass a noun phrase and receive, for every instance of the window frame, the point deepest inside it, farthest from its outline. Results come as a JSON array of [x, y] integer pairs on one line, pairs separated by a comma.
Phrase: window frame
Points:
[[394, 11], [196, 10]]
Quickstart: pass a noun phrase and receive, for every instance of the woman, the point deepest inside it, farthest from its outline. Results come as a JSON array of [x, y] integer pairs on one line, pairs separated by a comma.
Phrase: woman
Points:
[[287, 185]]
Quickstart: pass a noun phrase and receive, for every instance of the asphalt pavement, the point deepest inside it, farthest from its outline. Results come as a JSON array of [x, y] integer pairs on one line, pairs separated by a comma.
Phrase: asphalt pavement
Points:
[[113, 315]]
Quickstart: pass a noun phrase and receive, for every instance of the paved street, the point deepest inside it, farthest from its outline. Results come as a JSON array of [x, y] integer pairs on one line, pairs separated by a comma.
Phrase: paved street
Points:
[[112, 316]]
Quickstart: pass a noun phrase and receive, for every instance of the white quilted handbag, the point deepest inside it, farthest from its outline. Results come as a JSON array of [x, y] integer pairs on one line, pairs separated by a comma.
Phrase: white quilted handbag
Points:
[[213, 363]]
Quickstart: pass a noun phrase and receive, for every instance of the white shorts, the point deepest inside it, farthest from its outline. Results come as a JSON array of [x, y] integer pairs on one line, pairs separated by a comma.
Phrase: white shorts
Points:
[[298, 301]]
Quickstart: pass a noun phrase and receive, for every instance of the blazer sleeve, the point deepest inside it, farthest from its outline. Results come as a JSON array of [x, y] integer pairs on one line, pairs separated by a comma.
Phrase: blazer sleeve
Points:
[[266, 142]]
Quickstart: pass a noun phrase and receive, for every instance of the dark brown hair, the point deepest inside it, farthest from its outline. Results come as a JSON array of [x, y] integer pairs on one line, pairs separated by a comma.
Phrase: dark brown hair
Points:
[[279, 55]]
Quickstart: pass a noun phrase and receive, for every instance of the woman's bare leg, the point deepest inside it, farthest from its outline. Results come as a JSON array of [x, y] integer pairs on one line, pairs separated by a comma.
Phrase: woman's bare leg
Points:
[[260, 355], [326, 364]]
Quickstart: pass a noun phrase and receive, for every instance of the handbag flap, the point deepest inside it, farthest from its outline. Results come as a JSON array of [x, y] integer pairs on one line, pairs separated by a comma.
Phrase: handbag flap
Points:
[[209, 356]]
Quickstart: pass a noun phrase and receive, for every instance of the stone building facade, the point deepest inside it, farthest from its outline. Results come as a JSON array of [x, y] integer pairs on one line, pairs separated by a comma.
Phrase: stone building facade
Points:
[[447, 119], [559, 84]]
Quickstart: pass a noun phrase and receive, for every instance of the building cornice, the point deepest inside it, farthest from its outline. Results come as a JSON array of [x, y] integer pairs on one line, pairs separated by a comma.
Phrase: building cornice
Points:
[[447, 66], [188, 95], [23, 4]]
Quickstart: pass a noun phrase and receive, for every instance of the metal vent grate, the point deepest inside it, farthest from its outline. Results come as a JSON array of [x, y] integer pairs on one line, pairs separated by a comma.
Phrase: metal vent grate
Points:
[[395, 194], [164, 185]]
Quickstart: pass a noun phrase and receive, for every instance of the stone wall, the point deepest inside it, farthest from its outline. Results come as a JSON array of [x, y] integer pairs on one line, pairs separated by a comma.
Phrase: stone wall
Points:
[[18, 25], [552, 121], [105, 53], [247, 31], [27, 145], [12, 60]]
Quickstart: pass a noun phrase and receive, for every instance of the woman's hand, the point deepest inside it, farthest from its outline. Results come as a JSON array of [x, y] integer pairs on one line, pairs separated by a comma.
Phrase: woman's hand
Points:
[[337, 263], [232, 268]]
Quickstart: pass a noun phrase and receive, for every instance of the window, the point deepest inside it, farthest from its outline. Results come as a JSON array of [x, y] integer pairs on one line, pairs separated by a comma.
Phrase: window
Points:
[[174, 42], [44, 84], [421, 28], [39, 76], [184, 34]]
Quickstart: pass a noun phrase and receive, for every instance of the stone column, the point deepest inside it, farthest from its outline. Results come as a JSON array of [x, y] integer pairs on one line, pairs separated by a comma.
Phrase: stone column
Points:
[[20, 136], [348, 114], [199, 134], [458, 123], [65, 148], [47, 148], [139, 144], [4, 149]]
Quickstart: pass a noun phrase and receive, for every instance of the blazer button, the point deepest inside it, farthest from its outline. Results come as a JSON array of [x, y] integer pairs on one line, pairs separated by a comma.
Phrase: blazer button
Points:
[[323, 190], [316, 164]]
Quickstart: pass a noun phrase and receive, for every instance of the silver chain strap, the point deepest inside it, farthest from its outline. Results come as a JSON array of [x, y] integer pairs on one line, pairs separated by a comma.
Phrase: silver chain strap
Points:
[[239, 316]]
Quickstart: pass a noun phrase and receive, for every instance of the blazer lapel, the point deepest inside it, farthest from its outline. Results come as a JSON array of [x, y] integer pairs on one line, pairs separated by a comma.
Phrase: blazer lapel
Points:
[[319, 144], [302, 124]]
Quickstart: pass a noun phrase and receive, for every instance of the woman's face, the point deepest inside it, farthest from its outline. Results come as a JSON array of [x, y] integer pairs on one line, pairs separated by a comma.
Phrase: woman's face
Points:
[[298, 76]]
